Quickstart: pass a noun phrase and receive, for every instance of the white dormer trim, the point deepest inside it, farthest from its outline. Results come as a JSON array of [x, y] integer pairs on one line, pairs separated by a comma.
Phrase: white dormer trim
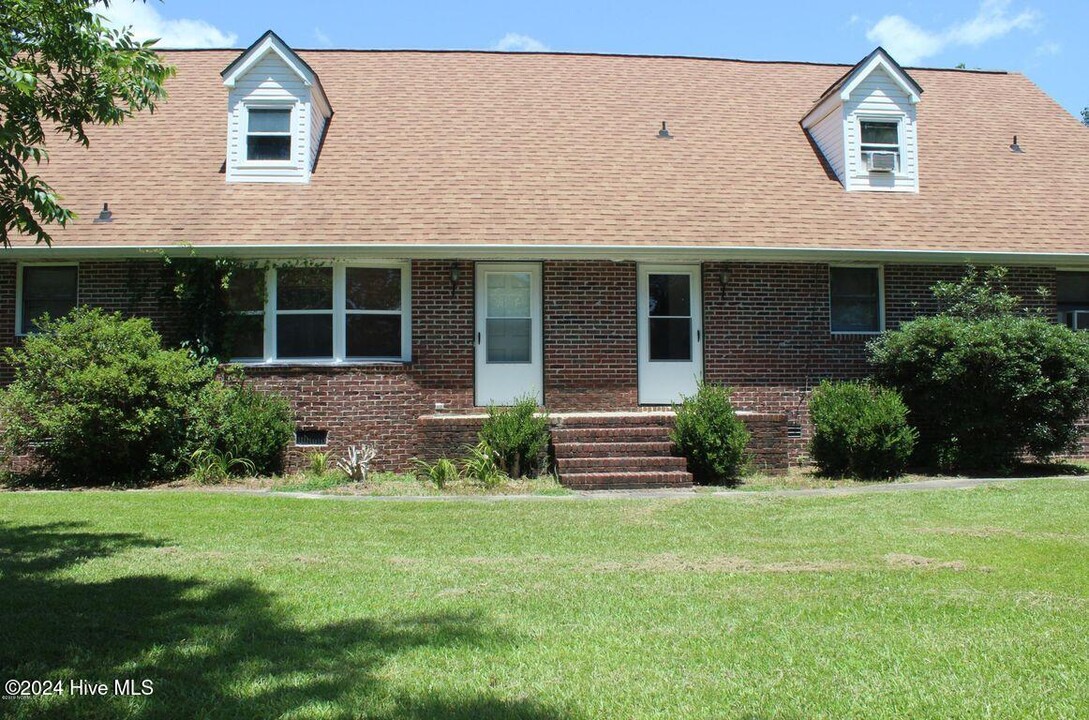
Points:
[[269, 43], [881, 60], [269, 75], [876, 89]]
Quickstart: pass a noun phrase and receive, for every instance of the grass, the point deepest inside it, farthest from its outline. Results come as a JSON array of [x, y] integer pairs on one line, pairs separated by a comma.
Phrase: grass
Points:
[[408, 484], [944, 604]]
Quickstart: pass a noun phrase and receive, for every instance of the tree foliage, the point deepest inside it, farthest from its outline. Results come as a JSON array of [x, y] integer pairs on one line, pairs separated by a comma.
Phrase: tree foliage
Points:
[[61, 69]]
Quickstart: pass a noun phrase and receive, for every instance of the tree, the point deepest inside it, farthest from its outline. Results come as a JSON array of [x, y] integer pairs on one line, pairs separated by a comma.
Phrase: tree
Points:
[[1085, 115], [61, 67]]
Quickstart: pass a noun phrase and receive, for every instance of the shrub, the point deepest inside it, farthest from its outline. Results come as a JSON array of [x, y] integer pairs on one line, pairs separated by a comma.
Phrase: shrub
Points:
[[235, 420], [860, 430], [712, 437], [517, 435], [100, 398], [985, 392], [318, 462]]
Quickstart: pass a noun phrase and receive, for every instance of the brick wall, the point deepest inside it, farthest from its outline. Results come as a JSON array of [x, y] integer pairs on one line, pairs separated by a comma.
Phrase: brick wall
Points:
[[589, 331], [766, 335]]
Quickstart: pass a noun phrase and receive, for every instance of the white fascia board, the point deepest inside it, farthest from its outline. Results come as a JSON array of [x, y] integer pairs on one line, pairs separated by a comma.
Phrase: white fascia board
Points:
[[270, 44], [821, 111], [645, 253], [879, 61]]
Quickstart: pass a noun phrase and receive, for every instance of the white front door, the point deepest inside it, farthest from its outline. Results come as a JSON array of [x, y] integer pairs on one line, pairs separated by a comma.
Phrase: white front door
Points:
[[670, 332], [509, 352]]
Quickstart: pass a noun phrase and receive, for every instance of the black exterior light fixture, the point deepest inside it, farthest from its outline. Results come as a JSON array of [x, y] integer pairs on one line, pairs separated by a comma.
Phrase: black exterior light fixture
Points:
[[1015, 147], [104, 215], [663, 134], [455, 278]]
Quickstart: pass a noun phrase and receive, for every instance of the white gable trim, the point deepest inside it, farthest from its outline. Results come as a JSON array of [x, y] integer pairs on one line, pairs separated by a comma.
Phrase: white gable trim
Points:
[[270, 43], [884, 62]]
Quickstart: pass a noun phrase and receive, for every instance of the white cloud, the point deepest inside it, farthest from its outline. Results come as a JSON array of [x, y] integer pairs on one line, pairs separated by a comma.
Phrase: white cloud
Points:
[[321, 38], [147, 23], [1049, 49], [909, 43], [514, 42]]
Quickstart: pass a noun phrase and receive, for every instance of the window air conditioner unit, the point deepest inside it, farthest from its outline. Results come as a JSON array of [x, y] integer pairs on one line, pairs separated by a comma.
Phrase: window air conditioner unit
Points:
[[879, 161]]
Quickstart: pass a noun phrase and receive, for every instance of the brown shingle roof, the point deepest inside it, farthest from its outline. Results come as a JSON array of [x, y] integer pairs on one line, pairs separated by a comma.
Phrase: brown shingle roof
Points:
[[491, 148]]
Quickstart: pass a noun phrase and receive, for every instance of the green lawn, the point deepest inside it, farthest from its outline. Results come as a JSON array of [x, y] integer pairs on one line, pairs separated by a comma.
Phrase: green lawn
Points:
[[949, 604]]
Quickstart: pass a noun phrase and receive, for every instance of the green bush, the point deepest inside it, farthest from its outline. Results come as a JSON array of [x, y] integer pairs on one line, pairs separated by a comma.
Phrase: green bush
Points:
[[517, 435], [711, 436], [100, 399], [234, 420], [859, 430], [985, 392]]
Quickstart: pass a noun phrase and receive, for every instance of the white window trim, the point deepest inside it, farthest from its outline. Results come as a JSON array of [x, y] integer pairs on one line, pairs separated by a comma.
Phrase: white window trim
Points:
[[340, 314], [880, 299], [292, 133], [898, 148], [19, 289]]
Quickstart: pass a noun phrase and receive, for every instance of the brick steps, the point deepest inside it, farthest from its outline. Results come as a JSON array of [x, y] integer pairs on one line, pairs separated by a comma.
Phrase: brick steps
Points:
[[617, 451], [626, 481], [613, 449], [610, 434]]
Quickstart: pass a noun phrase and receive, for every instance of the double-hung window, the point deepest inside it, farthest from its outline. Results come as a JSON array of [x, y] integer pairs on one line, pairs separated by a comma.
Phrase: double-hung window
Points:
[[246, 303], [304, 313], [880, 145], [1072, 299], [373, 312], [328, 313], [45, 290], [268, 134], [855, 299]]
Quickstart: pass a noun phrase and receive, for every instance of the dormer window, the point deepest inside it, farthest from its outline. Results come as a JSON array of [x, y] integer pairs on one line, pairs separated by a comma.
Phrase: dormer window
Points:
[[880, 145], [268, 134], [277, 114]]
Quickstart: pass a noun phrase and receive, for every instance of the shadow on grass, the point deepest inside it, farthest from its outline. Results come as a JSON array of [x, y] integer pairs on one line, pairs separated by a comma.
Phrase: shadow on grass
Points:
[[213, 650]]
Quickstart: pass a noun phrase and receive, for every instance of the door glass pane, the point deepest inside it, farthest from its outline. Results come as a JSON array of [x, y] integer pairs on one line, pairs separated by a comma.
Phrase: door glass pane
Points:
[[304, 289], [670, 296], [509, 340], [374, 336], [670, 338], [508, 295], [373, 288], [304, 336]]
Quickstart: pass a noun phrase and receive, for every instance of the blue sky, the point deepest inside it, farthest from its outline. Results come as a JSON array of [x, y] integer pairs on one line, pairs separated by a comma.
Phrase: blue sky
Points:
[[1045, 39]]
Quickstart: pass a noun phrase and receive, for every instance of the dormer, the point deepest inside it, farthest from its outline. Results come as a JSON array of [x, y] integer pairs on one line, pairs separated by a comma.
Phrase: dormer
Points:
[[864, 125], [277, 113]]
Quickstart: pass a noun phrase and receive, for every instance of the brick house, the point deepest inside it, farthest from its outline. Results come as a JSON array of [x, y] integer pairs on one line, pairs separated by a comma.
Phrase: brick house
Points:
[[600, 232]]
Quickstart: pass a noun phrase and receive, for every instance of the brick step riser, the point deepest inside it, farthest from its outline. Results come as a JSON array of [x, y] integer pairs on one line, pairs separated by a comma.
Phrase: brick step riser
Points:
[[601, 421], [623, 481], [613, 449], [594, 435], [619, 465]]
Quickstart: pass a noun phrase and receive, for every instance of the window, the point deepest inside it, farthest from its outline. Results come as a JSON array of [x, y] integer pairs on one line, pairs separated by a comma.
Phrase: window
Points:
[[46, 290], [879, 138], [1072, 296], [268, 135], [304, 313], [328, 313], [246, 303], [372, 312], [855, 295]]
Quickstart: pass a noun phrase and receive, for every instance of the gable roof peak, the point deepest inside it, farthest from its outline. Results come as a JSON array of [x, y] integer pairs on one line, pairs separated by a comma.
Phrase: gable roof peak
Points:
[[269, 42]]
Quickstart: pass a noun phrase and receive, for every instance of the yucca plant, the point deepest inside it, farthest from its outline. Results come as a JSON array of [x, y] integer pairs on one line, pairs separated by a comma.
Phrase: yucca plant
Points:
[[481, 466], [440, 473]]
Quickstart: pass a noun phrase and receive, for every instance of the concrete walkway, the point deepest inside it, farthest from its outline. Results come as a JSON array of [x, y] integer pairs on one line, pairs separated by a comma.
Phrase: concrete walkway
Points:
[[953, 483]]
